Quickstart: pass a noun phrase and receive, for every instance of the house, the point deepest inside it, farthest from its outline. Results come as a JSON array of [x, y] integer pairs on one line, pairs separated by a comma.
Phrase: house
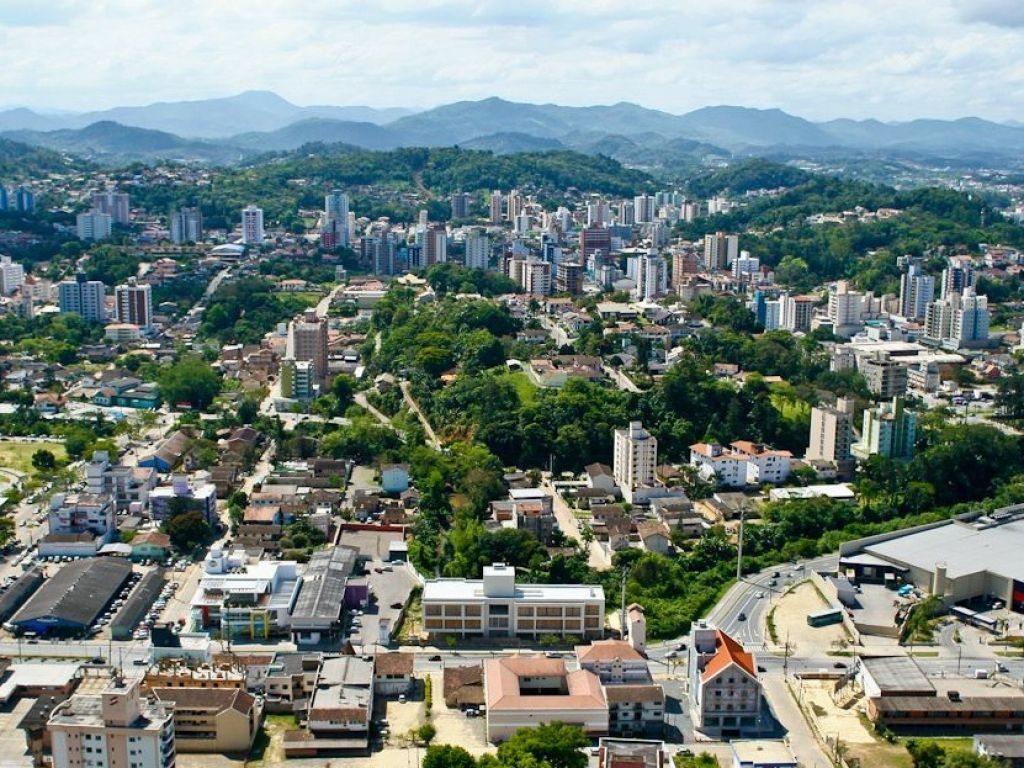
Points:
[[532, 336], [150, 545], [394, 478], [212, 720], [724, 687], [655, 536], [1009, 749], [338, 711], [762, 754], [600, 476], [636, 704], [169, 453], [525, 691], [392, 674], [464, 686]]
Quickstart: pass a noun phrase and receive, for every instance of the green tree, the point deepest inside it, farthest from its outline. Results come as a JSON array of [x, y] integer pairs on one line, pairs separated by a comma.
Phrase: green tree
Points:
[[43, 460], [188, 530], [447, 756], [343, 388], [190, 380], [426, 733], [549, 744]]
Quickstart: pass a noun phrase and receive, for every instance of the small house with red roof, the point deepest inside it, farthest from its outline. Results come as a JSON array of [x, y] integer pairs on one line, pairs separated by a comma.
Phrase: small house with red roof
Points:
[[726, 693]]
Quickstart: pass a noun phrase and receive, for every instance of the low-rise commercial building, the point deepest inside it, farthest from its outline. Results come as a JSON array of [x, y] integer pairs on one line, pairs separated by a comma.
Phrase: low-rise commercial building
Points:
[[525, 691], [496, 606], [212, 720], [339, 709], [72, 600], [724, 688]]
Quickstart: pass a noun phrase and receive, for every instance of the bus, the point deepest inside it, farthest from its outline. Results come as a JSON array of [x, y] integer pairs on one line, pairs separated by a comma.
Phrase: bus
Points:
[[825, 618]]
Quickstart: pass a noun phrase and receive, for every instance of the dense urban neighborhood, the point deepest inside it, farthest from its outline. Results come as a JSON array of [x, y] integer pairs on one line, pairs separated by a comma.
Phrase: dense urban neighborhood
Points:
[[352, 457]]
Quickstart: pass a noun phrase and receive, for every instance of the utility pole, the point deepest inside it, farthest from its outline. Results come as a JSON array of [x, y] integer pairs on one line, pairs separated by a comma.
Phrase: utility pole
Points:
[[785, 657], [739, 548]]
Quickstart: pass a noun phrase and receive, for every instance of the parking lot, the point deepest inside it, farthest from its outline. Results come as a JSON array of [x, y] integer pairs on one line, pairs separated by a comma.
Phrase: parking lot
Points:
[[390, 587], [790, 617]]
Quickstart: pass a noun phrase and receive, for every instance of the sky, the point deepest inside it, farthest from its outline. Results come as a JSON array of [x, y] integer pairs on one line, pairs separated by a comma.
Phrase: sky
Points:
[[820, 59]]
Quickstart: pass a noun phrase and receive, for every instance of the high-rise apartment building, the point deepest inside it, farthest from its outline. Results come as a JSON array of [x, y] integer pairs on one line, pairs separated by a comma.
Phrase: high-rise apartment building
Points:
[[595, 239], [796, 312], [597, 212], [335, 220], [252, 226], [4, 203], [635, 458], [117, 728], [307, 340], [845, 309], [93, 225], [496, 206], [746, 267], [720, 250], [917, 290], [962, 319], [381, 250], [569, 278], [514, 205], [536, 277], [84, 297], [434, 242], [832, 431], [886, 378], [888, 430], [12, 276], [186, 226], [134, 303], [958, 276], [24, 200], [651, 276], [643, 209], [478, 250], [684, 265], [460, 205], [116, 204], [627, 213]]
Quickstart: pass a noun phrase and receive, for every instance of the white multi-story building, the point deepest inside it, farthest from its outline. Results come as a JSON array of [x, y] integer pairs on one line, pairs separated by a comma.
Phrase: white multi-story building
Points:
[[643, 209], [917, 290], [12, 275], [252, 226], [720, 250], [536, 277], [134, 303], [635, 458], [496, 606], [746, 267], [478, 250], [651, 275], [845, 309], [93, 225], [117, 728], [336, 216], [742, 463], [86, 298], [725, 692], [186, 226]]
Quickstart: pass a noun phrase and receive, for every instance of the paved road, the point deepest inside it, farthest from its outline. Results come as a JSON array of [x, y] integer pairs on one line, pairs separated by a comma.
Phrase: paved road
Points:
[[362, 402], [622, 381]]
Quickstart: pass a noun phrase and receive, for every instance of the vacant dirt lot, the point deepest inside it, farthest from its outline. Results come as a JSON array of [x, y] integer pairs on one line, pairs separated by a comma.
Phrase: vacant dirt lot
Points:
[[790, 616]]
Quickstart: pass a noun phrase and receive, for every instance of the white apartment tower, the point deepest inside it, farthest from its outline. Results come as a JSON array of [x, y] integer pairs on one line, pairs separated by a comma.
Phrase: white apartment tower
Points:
[[85, 298], [917, 290], [478, 250], [186, 226], [117, 728], [536, 277], [93, 225], [115, 204], [12, 276], [643, 209], [336, 216], [636, 457], [720, 250], [252, 226]]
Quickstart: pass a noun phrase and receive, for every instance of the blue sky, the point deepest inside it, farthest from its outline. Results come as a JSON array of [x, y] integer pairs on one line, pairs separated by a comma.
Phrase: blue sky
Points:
[[890, 59]]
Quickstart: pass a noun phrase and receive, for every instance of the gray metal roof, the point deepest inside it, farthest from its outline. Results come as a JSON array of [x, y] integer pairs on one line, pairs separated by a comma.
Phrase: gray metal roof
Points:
[[78, 593], [897, 675], [141, 598], [323, 584], [964, 549]]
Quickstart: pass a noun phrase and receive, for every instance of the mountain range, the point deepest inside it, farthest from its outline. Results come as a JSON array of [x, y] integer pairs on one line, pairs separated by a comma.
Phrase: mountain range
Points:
[[233, 129]]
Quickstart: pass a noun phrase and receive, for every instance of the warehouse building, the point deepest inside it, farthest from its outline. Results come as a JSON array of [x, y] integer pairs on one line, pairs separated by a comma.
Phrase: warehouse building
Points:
[[14, 596], [71, 601], [323, 596], [135, 607], [972, 559]]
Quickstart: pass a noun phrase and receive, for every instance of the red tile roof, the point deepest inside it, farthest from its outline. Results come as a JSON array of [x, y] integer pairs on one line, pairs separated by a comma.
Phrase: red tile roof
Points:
[[729, 652]]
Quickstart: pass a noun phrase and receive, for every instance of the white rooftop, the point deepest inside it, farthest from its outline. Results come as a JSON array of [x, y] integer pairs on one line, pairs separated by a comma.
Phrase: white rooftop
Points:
[[472, 590]]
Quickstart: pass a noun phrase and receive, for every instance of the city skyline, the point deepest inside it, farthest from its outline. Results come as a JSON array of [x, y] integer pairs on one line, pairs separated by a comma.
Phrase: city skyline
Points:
[[944, 60]]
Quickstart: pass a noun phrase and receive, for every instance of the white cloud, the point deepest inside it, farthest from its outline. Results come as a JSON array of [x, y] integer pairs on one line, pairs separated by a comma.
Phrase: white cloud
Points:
[[892, 60]]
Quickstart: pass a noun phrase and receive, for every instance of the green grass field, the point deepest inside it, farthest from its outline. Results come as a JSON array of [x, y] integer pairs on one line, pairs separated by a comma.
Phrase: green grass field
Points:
[[791, 409], [525, 388], [17, 455]]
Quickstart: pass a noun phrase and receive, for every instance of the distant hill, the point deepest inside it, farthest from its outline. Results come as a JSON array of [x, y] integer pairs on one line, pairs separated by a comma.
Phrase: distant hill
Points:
[[205, 118], [318, 129], [111, 143], [237, 127], [19, 161]]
